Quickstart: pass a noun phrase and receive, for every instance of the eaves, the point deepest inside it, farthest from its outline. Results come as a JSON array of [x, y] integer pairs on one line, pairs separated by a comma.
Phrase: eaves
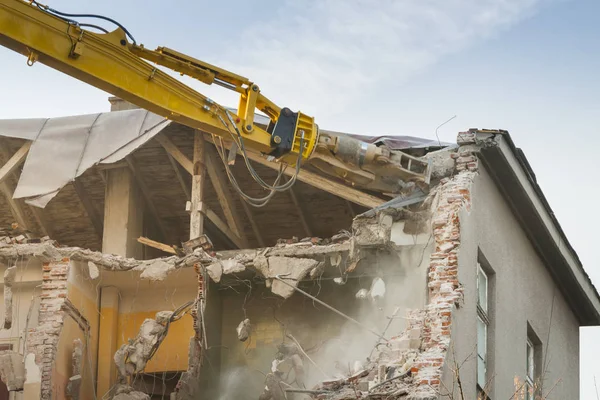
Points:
[[514, 177]]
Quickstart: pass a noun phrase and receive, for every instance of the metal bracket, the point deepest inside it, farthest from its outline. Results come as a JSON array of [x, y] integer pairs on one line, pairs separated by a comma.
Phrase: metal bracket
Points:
[[282, 137]]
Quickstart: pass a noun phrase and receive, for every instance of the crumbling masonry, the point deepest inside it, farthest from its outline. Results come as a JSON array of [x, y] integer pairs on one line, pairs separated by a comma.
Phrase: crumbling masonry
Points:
[[409, 365]]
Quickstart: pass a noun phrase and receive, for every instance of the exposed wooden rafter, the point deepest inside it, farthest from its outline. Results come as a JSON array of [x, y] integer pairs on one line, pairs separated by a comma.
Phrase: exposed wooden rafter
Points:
[[16, 206], [219, 181], [14, 162], [185, 186], [219, 223]]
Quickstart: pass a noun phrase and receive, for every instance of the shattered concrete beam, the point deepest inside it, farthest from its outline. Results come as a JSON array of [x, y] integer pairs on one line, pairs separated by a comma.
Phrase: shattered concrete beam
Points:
[[9, 279], [47, 252]]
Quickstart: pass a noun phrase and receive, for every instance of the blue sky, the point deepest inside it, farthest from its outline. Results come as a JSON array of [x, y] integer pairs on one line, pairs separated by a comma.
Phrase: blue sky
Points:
[[390, 67]]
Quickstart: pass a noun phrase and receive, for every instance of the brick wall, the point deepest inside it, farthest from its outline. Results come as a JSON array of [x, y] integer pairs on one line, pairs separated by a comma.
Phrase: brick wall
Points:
[[42, 340], [453, 195]]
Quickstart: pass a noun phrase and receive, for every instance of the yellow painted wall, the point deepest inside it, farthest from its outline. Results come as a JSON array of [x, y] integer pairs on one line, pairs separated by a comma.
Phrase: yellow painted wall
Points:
[[81, 291], [172, 355]]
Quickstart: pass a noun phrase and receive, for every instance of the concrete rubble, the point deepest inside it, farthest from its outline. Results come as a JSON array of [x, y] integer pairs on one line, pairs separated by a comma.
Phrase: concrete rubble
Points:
[[12, 370], [74, 386], [243, 330], [133, 356]]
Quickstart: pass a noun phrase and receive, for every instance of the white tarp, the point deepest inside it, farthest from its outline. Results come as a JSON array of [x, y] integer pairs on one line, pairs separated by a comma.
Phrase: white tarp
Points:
[[64, 148]]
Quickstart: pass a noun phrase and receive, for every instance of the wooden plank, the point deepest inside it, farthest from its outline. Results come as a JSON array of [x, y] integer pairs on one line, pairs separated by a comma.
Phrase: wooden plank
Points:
[[320, 182], [219, 223], [14, 162], [174, 151], [300, 209], [89, 208], [37, 212], [147, 196], [255, 230], [198, 177], [219, 181], [15, 207], [157, 245]]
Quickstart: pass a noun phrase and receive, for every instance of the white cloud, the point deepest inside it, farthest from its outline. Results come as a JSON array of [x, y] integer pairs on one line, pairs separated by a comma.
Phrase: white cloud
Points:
[[321, 55]]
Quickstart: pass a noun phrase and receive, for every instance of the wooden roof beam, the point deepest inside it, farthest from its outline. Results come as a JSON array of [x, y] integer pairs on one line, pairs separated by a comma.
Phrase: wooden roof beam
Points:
[[219, 181], [311, 178], [16, 206], [14, 162]]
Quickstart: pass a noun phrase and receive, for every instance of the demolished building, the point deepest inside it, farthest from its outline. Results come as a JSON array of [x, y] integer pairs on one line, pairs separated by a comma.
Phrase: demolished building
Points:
[[466, 286]]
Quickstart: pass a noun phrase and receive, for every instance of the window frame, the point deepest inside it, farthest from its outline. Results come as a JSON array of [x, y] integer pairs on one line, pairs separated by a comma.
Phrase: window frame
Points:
[[482, 316], [530, 369]]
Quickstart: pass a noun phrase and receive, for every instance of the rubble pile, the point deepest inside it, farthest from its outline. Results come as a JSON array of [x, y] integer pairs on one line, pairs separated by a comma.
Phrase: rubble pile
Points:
[[388, 373]]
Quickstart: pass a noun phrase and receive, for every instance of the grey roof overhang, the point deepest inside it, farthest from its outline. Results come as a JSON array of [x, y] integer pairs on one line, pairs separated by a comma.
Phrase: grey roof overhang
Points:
[[514, 177]]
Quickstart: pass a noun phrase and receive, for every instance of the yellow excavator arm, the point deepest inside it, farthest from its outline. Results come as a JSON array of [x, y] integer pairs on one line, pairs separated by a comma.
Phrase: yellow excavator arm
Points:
[[116, 63]]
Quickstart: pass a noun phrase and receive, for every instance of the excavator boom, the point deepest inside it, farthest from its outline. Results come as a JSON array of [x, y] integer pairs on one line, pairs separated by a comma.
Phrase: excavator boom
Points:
[[116, 63]]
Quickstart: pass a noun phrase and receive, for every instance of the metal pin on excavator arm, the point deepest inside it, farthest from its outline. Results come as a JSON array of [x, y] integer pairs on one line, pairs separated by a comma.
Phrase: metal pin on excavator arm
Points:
[[115, 63]]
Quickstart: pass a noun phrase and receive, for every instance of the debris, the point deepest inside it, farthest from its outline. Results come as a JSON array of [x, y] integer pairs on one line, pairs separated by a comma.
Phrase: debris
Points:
[[93, 270], [289, 335], [294, 239], [74, 385], [362, 294], [273, 387], [292, 270], [157, 271], [243, 330], [341, 237], [9, 278], [131, 358], [125, 392], [201, 241], [12, 370], [232, 266], [317, 271], [279, 279], [377, 291], [157, 245], [372, 232], [215, 271]]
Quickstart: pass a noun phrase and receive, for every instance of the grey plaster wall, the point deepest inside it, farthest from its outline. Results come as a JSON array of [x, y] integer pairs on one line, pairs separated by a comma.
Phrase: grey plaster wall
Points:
[[522, 293]]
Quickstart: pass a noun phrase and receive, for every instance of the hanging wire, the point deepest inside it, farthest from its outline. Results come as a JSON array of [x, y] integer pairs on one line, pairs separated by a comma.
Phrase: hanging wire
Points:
[[67, 17], [272, 188]]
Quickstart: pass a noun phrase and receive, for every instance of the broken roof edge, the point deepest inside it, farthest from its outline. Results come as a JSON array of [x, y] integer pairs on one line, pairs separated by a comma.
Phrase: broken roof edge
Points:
[[513, 175]]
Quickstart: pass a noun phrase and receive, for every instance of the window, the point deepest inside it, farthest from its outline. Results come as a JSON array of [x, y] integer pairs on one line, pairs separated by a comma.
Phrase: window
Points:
[[482, 327], [530, 376]]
